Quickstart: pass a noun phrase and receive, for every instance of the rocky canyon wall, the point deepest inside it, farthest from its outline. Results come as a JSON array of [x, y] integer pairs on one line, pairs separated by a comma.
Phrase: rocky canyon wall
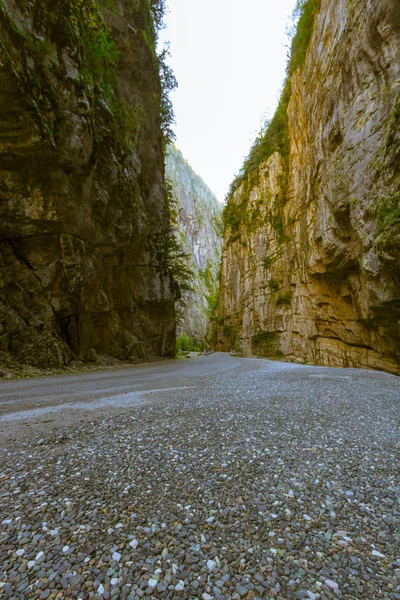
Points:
[[199, 230], [311, 258], [83, 211]]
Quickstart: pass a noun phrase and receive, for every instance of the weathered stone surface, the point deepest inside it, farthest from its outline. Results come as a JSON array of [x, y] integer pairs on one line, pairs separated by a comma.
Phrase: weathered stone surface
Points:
[[200, 230], [82, 223], [323, 284]]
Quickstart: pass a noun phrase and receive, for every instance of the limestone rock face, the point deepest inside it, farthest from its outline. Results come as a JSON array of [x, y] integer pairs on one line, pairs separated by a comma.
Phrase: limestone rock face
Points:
[[198, 226], [83, 211], [311, 266]]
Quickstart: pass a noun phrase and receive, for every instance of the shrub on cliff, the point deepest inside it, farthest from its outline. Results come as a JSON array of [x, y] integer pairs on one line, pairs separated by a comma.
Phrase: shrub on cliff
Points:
[[274, 136]]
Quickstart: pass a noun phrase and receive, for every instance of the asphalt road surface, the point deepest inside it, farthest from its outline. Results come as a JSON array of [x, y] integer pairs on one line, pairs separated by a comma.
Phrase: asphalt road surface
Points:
[[34, 398]]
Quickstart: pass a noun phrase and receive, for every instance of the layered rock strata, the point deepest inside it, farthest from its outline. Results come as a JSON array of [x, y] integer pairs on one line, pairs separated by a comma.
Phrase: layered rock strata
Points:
[[83, 210], [311, 258]]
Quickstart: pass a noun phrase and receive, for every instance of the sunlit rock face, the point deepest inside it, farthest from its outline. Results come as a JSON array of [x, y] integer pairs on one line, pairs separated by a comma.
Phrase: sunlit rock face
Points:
[[198, 225], [320, 282], [83, 221]]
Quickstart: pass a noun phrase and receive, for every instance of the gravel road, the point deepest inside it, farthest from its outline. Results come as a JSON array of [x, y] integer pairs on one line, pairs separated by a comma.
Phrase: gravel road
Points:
[[220, 478]]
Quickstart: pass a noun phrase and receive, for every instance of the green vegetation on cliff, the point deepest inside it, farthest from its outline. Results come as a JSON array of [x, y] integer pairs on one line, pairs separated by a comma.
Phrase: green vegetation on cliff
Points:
[[177, 255], [80, 27], [386, 210], [265, 343], [197, 221], [388, 215], [185, 344], [274, 137]]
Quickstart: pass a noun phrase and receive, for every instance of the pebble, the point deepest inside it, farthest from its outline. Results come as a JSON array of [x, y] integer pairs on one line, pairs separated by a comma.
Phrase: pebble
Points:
[[378, 554], [331, 584], [183, 497]]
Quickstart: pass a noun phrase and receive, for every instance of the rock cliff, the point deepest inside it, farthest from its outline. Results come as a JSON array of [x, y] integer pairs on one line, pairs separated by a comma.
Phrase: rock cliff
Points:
[[199, 229], [311, 258], [83, 210]]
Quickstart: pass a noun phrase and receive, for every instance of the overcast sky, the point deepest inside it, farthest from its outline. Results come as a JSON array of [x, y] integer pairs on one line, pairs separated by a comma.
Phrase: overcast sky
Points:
[[229, 58]]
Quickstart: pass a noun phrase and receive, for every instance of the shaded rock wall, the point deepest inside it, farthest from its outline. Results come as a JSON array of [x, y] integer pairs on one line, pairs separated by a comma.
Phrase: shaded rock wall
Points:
[[311, 266], [83, 214], [199, 229]]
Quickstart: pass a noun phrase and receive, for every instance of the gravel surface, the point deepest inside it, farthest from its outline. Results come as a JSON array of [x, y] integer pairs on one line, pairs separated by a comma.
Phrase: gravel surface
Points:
[[271, 480]]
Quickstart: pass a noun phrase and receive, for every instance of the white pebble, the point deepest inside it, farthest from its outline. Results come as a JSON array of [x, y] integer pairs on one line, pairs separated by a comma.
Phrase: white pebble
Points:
[[211, 564], [20, 552], [134, 544], [331, 584], [152, 583], [116, 556], [179, 586], [378, 554]]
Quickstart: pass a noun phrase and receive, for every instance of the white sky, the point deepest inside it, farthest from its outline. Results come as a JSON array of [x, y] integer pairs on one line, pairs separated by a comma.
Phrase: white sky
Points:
[[229, 58]]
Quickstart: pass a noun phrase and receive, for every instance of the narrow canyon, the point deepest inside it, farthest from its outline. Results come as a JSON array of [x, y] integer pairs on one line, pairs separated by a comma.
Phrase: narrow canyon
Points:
[[310, 268], [146, 452]]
